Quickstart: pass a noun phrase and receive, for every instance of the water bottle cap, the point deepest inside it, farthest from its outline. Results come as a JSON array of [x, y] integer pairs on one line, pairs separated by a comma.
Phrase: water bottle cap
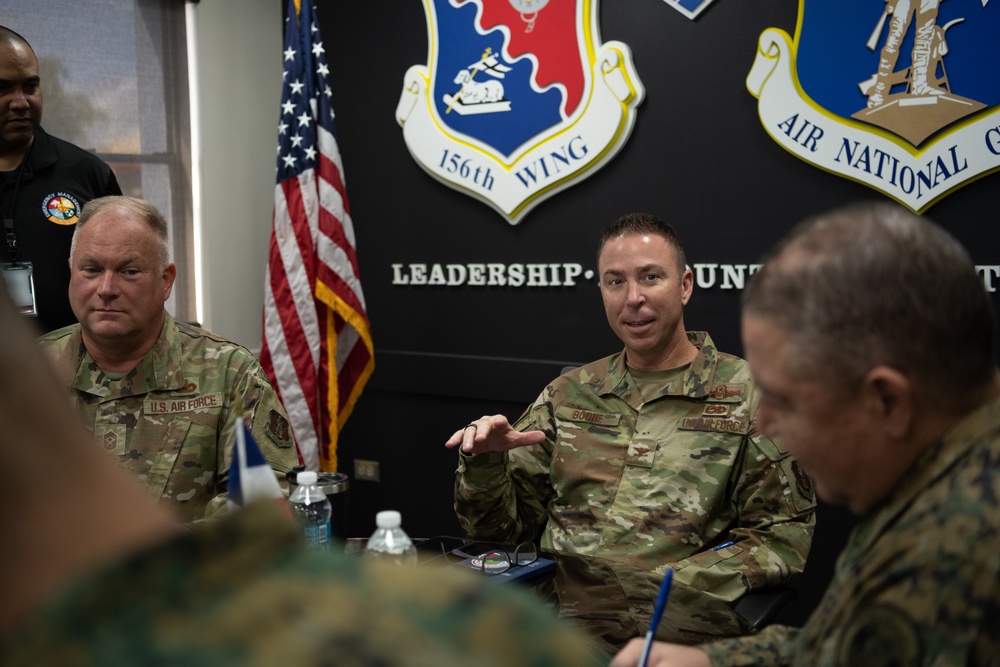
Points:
[[388, 519], [305, 478]]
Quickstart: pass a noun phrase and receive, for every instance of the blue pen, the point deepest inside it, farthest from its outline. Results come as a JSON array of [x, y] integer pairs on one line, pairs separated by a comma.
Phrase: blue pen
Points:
[[661, 603]]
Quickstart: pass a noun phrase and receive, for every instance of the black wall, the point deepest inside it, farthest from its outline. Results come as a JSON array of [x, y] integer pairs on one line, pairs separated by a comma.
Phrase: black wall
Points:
[[698, 157]]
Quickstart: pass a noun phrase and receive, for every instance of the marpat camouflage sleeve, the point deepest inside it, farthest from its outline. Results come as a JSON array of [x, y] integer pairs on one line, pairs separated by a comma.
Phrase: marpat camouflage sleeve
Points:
[[919, 580], [245, 592]]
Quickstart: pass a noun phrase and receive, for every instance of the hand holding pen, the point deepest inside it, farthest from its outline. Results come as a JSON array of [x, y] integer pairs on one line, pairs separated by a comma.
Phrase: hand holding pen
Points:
[[661, 603], [659, 654]]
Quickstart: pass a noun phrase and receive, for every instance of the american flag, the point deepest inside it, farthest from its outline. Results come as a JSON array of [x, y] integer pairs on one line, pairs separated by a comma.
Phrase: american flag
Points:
[[317, 347]]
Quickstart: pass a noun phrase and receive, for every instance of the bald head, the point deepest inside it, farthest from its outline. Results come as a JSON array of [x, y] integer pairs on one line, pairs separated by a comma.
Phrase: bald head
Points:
[[20, 98], [8, 36]]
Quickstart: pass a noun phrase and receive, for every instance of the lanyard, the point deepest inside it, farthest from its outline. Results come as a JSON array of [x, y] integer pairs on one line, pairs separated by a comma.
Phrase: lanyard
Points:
[[8, 220]]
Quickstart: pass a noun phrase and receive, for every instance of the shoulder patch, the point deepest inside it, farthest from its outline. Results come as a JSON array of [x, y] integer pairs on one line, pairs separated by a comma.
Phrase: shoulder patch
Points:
[[803, 482], [277, 429], [881, 635]]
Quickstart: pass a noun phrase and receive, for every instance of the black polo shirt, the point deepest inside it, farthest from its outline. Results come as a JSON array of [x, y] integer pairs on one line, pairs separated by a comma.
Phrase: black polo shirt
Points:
[[45, 201]]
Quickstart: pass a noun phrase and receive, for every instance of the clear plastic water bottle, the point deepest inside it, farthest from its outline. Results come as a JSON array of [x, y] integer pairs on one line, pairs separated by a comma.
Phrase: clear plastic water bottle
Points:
[[389, 542], [311, 510]]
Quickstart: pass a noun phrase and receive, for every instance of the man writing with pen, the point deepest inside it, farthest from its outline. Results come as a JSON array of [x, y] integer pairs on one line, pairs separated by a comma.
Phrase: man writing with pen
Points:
[[648, 457], [871, 337]]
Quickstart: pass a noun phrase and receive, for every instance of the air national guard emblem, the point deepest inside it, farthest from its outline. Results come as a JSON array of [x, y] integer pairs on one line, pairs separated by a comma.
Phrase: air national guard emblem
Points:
[[901, 95], [519, 99]]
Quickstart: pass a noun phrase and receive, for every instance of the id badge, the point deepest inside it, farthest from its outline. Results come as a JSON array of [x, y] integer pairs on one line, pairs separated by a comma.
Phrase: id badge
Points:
[[20, 279]]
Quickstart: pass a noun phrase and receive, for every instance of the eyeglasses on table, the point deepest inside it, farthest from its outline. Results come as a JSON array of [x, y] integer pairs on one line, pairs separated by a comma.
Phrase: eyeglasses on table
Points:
[[498, 561]]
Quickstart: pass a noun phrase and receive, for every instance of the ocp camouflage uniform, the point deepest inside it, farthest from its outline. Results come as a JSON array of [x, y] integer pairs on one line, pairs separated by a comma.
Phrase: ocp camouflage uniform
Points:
[[244, 592], [919, 580], [614, 603], [170, 420], [671, 473]]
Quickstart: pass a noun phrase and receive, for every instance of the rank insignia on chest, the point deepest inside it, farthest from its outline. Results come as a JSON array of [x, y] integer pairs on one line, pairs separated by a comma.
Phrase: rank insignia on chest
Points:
[[112, 438]]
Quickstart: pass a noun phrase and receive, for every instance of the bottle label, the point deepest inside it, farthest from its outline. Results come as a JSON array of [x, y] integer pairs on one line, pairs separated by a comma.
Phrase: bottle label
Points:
[[317, 537]]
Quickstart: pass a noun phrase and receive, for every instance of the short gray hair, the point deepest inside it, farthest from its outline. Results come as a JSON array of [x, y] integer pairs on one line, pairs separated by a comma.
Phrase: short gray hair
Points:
[[139, 208], [874, 284]]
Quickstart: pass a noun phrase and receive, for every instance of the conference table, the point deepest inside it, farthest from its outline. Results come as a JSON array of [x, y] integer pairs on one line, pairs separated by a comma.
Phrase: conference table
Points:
[[612, 601]]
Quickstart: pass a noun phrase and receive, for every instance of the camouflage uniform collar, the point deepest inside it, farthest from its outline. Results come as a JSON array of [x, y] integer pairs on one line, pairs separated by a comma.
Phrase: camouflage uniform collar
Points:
[[976, 429], [695, 383], [154, 371]]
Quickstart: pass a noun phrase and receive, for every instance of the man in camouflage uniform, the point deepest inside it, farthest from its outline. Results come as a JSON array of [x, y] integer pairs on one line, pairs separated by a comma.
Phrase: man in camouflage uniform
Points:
[[871, 337], [649, 456], [160, 396], [614, 602], [94, 575]]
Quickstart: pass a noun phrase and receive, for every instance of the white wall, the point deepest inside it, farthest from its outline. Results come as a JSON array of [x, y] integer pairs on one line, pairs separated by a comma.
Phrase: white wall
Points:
[[239, 70]]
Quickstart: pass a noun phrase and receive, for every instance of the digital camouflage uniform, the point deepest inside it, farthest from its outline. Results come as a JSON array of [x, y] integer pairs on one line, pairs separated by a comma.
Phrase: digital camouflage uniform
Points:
[[244, 592], [171, 419], [669, 480], [919, 580]]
